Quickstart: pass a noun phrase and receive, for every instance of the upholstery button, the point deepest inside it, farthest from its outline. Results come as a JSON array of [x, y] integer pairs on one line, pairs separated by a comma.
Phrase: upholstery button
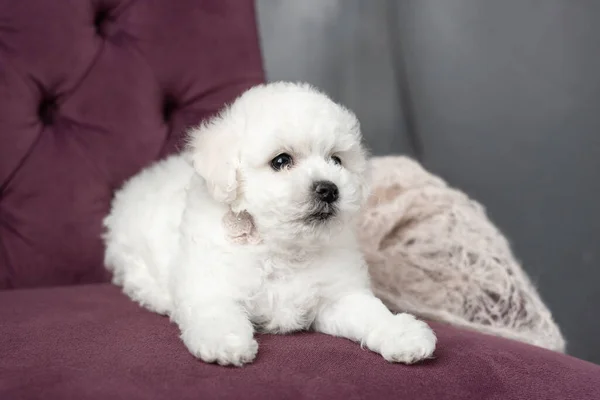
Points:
[[47, 111], [100, 20], [169, 107]]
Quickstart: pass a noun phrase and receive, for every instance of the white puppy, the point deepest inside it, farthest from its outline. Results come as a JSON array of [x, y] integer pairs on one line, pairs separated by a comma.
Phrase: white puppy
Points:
[[252, 227]]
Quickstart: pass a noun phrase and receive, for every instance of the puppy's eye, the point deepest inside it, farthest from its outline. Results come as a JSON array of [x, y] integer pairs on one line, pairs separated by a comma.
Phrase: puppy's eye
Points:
[[282, 161], [336, 160]]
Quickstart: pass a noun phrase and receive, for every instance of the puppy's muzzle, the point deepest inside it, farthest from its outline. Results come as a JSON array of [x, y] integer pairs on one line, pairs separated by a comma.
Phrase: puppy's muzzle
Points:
[[326, 191], [325, 194]]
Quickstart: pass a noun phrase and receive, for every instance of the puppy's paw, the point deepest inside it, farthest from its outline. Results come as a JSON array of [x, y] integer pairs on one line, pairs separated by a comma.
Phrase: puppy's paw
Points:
[[230, 350], [403, 339], [221, 345]]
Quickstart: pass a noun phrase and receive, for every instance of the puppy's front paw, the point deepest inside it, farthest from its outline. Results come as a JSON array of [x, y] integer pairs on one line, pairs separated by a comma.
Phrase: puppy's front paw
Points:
[[403, 339], [221, 346]]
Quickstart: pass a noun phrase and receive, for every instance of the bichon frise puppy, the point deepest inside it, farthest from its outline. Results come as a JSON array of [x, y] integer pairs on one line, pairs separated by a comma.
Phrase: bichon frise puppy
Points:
[[252, 227]]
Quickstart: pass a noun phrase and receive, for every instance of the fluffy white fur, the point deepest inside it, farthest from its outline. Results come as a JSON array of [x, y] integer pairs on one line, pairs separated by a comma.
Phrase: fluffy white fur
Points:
[[168, 247]]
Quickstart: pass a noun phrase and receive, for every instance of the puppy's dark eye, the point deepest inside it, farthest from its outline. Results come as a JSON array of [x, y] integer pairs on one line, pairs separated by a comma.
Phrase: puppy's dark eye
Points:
[[282, 161], [336, 160]]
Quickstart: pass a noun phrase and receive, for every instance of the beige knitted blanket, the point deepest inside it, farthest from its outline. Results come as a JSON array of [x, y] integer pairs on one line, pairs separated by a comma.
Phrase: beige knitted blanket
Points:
[[433, 252]]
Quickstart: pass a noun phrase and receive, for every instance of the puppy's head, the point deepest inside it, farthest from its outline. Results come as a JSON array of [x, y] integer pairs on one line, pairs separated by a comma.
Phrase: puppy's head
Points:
[[289, 156]]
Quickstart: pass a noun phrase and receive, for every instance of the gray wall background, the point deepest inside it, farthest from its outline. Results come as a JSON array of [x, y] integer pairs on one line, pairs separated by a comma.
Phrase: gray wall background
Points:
[[501, 98]]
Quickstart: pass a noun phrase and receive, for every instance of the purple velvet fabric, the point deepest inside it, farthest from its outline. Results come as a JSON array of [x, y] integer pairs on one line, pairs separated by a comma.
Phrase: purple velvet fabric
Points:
[[90, 92], [92, 342]]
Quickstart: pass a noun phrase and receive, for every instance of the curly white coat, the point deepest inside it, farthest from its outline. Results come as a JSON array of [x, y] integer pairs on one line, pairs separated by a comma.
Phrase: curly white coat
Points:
[[168, 246]]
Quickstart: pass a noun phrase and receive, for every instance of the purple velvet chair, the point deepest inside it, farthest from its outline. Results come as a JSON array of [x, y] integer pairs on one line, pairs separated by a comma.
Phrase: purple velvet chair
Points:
[[91, 92]]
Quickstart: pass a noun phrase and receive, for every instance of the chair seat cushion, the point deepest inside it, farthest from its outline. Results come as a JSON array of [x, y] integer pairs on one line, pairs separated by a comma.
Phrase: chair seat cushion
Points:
[[92, 342]]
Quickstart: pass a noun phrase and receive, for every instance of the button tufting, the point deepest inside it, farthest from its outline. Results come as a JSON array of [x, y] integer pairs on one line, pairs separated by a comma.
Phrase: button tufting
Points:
[[47, 111], [101, 72]]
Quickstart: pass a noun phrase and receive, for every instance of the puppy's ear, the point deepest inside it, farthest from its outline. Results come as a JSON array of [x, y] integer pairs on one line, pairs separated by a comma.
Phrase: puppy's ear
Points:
[[215, 156]]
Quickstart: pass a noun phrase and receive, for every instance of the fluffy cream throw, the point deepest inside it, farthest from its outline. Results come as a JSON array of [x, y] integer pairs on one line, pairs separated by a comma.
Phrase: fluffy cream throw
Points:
[[433, 252]]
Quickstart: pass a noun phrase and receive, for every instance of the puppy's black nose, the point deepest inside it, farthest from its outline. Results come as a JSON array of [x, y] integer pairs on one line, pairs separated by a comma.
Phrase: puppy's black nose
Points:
[[326, 191]]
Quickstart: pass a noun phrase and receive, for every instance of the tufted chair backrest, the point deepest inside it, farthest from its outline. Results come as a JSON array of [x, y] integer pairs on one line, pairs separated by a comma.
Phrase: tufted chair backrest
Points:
[[92, 91]]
